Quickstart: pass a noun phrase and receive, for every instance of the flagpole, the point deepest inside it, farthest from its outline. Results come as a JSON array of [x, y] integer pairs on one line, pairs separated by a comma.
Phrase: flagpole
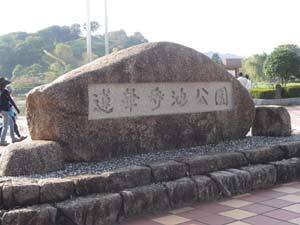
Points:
[[88, 31], [106, 29]]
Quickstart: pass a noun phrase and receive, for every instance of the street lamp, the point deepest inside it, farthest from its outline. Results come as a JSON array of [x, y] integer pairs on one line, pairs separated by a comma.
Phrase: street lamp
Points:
[[88, 31]]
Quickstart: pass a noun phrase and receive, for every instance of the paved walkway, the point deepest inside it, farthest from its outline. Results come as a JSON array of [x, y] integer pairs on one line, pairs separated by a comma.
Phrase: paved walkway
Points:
[[277, 206], [295, 118]]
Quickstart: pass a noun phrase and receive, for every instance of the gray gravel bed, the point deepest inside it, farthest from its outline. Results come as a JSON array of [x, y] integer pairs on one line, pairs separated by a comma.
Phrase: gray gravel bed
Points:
[[74, 169]]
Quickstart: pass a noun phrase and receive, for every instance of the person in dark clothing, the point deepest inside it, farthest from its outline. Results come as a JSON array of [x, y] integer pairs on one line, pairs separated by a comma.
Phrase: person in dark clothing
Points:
[[5, 101], [13, 115]]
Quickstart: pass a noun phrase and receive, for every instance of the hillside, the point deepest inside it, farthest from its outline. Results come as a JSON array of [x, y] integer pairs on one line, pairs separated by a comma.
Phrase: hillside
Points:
[[31, 59]]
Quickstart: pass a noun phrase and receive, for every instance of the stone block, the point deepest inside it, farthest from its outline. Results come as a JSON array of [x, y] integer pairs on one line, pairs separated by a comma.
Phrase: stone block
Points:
[[128, 177], [90, 184], [146, 199], [204, 164], [168, 171], [264, 155], [288, 170], [262, 176], [90, 210], [207, 189], [35, 215], [232, 182], [291, 149], [31, 157], [20, 193], [181, 192], [55, 190], [271, 121]]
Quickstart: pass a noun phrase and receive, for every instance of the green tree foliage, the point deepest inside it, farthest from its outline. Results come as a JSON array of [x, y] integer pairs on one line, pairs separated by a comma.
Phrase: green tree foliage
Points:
[[18, 71], [43, 56], [35, 70], [216, 58], [282, 64], [291, 47], [254, 67], [76, 29], [56, 34], [65, 53], [94, 26]]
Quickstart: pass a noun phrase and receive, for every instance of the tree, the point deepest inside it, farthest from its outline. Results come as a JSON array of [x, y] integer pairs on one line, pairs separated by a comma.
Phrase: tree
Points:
[[30, 51], [7, 61], [135, 39], [216, 58], [75, 29], [254, 67], [42, 56], [290, 47], [35, 70], [282, 64], [57, 68], [56, 34], [94, 26], [64, 52], [18, 71], [293, 48]]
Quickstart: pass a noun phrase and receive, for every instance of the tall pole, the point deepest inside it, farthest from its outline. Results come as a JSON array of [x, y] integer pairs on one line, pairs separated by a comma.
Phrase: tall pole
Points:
[[88, 31], [106, 29]]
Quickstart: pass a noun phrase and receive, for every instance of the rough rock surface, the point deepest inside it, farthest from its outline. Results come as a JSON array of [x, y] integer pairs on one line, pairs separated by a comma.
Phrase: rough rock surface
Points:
[[287, 170], [59, 111], [146, 199], [291, 149], [129, 177], [181, 192], [94, 210], [32, 157], [21, 193], [199, 165], [263, 176], [207, 189], [232, 182], [36, 215], [272, 121], [265, 155], [168, 171], [90, 184], [55, 190]]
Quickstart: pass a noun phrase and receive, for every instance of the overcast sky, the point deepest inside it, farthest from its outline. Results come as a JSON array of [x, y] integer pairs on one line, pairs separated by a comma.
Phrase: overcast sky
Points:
[[243, 27]]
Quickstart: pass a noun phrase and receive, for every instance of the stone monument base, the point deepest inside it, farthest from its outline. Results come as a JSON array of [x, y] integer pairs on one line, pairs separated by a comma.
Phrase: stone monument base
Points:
[[112, 197], [31, 157]]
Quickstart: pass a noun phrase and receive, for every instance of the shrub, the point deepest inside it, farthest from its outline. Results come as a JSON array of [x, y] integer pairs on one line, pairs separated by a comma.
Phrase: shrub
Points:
[[263, 93], [291, 91]]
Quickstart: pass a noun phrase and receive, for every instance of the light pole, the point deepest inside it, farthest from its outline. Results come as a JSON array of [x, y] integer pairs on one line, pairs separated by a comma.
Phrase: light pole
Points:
[[88, 31], [106, 29]]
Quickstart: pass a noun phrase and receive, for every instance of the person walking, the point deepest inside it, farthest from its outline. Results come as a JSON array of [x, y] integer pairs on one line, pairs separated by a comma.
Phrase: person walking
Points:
[[13, 115], [244, 81], [5, 101]]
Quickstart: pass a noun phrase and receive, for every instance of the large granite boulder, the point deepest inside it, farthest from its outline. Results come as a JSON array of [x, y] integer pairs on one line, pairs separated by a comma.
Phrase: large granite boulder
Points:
[[32, 157], [272, 121], [151, 97]]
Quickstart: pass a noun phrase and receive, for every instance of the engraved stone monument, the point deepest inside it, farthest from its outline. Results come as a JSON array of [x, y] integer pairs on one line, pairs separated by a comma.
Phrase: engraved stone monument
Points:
[[152, 97]]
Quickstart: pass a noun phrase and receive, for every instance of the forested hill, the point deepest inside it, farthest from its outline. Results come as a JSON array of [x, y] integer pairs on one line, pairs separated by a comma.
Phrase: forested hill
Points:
[[31, 59]]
